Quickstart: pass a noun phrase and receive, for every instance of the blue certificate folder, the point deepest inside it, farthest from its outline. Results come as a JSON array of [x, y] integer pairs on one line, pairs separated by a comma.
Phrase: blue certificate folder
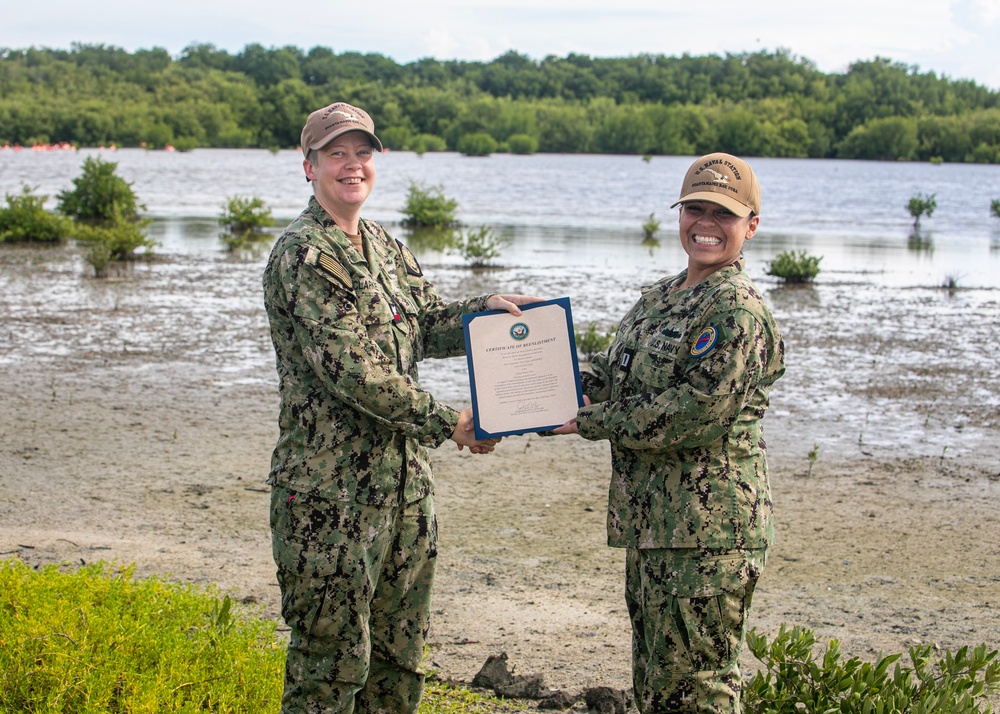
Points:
[[523, 369]]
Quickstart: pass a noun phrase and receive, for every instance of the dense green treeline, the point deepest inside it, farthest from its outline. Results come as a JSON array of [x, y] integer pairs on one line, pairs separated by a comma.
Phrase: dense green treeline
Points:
[[758, 104]]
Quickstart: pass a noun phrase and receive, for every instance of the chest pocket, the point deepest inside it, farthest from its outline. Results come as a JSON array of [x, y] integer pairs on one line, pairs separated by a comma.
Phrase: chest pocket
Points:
[[655, 365]]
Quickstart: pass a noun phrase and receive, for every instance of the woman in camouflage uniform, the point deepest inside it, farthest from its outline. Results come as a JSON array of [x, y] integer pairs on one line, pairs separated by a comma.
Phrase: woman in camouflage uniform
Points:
[[680, 395], [352, 516]]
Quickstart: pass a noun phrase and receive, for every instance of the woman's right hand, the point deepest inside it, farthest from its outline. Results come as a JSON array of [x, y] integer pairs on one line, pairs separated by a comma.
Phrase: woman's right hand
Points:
[[465, 435]]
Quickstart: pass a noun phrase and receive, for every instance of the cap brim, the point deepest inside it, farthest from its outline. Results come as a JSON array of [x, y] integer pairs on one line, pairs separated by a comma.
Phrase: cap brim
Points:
[[733, 205], [317, 145]]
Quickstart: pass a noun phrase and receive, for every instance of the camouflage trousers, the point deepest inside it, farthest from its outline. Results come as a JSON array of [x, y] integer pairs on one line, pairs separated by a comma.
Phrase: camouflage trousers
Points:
[[355, 591], [689, 612]]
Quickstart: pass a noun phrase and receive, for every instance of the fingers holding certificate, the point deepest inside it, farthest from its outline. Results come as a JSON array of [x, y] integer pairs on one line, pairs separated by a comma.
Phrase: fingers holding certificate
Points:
[[523, 369]]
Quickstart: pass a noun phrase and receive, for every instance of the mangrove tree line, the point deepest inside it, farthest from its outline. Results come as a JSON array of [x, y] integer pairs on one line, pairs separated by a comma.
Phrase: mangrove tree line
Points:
[[754, 104]]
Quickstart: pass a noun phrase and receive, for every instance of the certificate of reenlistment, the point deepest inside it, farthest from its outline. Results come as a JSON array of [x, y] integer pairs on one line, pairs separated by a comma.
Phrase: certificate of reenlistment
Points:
[[523, 369]]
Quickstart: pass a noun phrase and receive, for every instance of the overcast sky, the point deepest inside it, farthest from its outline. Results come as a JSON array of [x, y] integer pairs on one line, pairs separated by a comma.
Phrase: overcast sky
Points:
[[956, 38]]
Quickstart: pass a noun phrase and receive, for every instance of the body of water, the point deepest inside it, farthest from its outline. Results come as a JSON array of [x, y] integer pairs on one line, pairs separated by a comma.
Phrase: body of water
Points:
[[878, 352], [587, 211]]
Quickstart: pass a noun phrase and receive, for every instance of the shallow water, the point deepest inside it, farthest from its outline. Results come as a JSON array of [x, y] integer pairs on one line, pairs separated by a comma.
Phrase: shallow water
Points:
[[587, 211], [880, 357]]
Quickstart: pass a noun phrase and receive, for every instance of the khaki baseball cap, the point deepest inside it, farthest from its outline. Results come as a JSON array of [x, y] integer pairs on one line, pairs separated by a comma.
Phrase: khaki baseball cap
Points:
[[723, 179], [326, 124]]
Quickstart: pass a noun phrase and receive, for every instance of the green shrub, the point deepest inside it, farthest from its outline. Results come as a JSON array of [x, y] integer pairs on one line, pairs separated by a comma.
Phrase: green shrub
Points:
[[650, 227], [995, 208], [793, 680], [477, 144], [395, 137], [185, 143], [522, 144], [423, 143], [428, 207], [99, 194], [951, 281], [245, 215], [480, 246], [984, 153], [794, 267], [921, 205], [25, 219], [243, 220], [113, 240], [591, 342]]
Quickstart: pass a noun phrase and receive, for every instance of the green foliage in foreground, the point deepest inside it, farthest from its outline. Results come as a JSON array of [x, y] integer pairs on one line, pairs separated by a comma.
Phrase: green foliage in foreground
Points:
[[592, 342], [97, 640], [24, 218], [995, 208], [428, 206], [443, 698], [921, 205], [794, 267], [794, 681]]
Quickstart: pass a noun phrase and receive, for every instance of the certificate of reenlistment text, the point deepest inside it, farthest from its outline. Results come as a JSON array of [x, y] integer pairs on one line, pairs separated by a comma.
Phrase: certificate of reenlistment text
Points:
[[523, 369]]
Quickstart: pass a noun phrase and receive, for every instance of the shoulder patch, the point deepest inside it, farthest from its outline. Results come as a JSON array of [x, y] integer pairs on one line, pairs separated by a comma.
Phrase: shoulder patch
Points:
[[409, 260], [331, 267], [704, 342]]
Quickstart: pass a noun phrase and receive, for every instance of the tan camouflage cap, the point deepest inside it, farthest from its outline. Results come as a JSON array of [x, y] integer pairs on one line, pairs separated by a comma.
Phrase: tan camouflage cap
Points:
[[723, 179], [326, 124]]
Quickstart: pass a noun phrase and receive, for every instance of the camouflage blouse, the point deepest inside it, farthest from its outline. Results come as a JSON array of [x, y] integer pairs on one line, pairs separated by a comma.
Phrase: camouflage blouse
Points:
[[680, 395], [348, 331]]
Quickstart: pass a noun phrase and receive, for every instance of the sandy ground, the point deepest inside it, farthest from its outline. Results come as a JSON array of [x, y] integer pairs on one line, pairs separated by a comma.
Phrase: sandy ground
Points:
[[152, 455]]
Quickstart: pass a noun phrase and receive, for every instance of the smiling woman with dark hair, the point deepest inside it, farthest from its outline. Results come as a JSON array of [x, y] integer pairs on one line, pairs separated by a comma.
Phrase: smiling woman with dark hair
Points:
[[680, 395]]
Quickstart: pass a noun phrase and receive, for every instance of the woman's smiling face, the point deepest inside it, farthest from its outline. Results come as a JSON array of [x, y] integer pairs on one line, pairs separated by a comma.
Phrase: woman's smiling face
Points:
[[712, 236], [343, 174]]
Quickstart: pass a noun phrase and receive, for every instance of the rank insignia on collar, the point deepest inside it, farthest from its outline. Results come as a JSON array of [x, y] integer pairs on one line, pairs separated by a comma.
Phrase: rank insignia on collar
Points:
[[409, 260], [330, 266], [705, 342]]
